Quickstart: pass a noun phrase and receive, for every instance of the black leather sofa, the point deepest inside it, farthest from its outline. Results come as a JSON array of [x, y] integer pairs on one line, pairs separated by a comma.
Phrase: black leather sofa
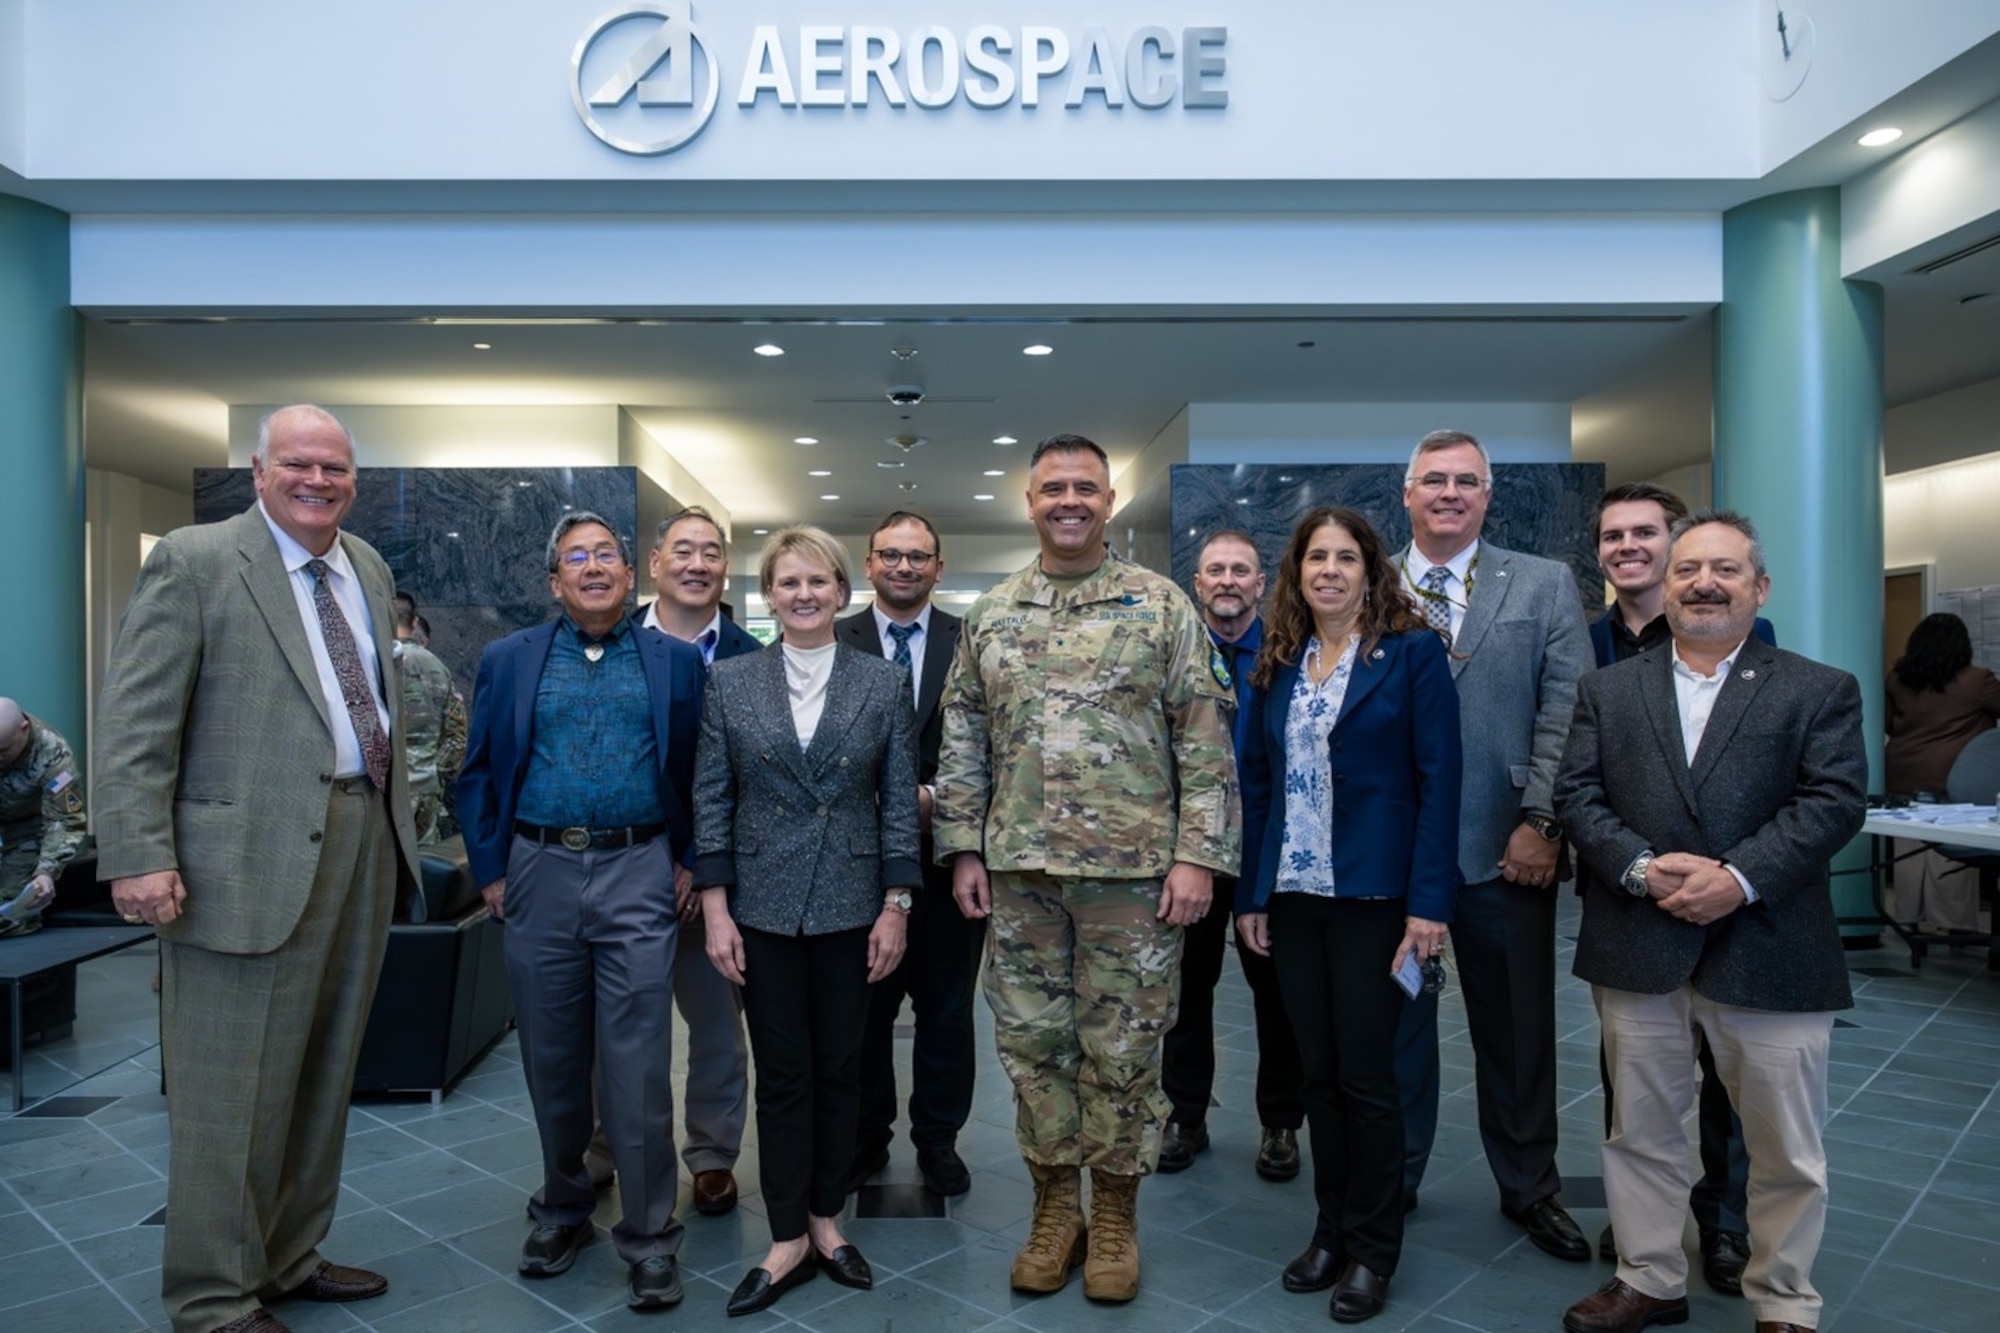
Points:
[[442, 999]]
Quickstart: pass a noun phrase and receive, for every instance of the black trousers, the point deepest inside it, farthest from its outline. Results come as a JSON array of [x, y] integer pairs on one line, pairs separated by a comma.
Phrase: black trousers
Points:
[[1720, 1200], [1332, 958], [939, 973], [1504, 936], [1187, 1064], [805, 998]]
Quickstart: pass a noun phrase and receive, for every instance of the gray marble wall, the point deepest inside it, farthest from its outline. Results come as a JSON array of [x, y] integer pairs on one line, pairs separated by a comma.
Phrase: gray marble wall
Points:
[[1545, 508], [467, 543]]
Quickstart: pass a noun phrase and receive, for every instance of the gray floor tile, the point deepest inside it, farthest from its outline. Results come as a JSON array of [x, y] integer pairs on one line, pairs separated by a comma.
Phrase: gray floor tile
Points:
[[494, 1305], [97, 1309]]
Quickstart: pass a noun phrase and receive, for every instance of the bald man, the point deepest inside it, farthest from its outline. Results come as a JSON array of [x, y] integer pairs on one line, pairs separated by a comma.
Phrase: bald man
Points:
[[41, 816]]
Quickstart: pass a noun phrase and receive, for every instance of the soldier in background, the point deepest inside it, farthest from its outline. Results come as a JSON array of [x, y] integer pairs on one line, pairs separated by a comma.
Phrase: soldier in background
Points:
[[1086, 798], [41, 816], [434, 723]]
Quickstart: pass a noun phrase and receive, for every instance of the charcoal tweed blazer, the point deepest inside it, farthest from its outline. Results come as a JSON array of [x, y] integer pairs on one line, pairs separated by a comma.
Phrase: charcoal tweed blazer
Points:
[[806, 839], [213, 745], [1777, 787]]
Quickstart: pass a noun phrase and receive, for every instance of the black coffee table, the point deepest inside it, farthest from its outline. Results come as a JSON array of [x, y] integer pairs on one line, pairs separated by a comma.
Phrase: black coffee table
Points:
[[25, 957]]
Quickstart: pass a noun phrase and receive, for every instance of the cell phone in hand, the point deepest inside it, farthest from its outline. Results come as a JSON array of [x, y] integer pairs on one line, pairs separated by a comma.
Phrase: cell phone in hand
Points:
[[1410, 976]]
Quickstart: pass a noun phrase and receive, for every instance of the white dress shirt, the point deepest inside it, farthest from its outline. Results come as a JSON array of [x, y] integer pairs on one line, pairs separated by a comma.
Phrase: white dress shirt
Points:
[[917, 642], [1695, 695], [1457, 582], [706, 640], [347, 595]]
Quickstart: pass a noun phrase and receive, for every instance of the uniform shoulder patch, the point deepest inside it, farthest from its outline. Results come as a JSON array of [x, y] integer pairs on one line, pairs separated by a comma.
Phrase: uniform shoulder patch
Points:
[[1219, 668]]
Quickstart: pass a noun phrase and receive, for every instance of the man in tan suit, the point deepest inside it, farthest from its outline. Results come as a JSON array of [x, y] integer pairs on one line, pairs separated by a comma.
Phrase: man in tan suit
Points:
[[254, 807]]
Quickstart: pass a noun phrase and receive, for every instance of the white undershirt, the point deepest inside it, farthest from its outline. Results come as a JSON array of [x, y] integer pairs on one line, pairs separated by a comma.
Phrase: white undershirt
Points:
[[1695, 694], [807, 671]]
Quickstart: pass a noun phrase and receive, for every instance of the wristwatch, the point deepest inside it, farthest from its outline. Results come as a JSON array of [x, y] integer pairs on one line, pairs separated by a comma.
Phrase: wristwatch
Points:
[[1542, 824], [900, 900], [1635, 874]]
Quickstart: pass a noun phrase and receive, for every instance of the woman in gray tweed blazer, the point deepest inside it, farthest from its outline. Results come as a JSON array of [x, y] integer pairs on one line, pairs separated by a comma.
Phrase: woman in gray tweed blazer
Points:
[[806, 856]]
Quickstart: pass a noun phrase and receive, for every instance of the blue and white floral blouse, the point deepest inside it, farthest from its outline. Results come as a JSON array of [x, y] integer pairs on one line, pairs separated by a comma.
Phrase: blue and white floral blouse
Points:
[[1305, 864]]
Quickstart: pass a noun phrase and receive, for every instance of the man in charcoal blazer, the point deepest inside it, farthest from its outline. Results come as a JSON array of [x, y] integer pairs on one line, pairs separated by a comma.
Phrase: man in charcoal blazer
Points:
[[941, 953], [252, 803], [1705, 789]]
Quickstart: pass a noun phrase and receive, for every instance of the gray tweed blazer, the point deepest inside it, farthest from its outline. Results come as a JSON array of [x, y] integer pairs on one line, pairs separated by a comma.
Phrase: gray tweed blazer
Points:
[[807, 840]]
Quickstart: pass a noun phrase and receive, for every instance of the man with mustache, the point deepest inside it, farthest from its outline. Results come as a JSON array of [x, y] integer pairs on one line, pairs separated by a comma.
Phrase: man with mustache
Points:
[[1706, 787]]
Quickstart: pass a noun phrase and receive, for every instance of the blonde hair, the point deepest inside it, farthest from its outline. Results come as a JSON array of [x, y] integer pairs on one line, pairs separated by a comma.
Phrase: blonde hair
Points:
[[815, 545]]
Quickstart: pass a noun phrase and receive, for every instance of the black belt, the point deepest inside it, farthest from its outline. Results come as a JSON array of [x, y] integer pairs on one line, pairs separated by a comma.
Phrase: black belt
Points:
[[589, 839]]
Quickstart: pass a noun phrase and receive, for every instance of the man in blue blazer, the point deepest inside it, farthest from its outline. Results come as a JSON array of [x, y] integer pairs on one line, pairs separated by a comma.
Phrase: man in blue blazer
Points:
[[1632, 526], [1518, 645], [575, 800]]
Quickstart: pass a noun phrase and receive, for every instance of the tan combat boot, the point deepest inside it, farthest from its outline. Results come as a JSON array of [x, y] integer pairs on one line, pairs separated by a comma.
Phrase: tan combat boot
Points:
[[1055, 1233], [1111, 1269]]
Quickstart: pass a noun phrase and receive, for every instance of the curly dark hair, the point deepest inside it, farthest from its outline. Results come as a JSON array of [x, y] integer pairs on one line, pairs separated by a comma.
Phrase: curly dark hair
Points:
[[1939, 648], [1386, 606]]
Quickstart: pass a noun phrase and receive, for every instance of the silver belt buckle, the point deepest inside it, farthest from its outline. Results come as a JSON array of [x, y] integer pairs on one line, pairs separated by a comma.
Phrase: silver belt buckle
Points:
[[576, 839]]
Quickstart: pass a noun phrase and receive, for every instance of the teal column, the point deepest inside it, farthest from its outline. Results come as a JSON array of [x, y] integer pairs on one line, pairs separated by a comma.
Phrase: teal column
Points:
[[1798, 445], [43, 661]]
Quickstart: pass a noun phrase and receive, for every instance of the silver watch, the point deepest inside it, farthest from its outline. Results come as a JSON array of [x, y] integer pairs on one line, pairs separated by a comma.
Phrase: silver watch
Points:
[[1635, 874], [900, 900]]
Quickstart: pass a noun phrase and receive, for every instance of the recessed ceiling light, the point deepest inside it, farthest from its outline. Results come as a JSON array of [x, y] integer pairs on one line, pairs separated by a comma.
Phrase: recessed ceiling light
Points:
[[806, 439], [982, 497], [995, 472], [1308, 343], [821, 472], [482, 347], [768, 349], [760, 532], [829, 497], [906, 486], [890, 462], [1005, 439], [1037, 349], [1876, 138]]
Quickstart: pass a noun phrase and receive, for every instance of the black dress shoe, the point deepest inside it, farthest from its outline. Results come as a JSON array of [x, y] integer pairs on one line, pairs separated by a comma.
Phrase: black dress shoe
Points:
[[1314, 1270], [1607, 1245], [1724, 1254], [1278, 1154], [1179, 1145], [1552, 1231], [943, 1171], [846, 1266], [1358, 1295], [757, 1291], [550, 1250], [867, 1161], [655, 1284]]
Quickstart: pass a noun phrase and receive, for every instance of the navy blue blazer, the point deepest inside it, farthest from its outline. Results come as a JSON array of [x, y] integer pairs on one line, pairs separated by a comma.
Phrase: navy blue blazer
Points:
[[1606, 648], [503, 715], [1397, 772]]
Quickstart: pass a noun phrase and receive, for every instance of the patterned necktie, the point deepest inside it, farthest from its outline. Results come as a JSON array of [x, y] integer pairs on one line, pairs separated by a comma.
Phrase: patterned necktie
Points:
[[1437, 606], [354, 691], [901, 657], [707, 645]]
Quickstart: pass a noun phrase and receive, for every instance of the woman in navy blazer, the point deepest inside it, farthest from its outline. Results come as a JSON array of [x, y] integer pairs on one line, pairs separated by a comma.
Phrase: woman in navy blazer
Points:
[[1351, 771]]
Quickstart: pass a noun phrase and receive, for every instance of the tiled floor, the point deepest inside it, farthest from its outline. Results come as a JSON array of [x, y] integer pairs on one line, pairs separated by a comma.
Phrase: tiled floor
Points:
[[434, 1198]]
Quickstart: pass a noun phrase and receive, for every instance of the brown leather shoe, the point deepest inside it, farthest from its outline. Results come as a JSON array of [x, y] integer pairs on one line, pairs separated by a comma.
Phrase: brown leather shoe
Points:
[[258, 1320], [338, 1282], [714, 1192], [1778, 1326], [1617, 1308]]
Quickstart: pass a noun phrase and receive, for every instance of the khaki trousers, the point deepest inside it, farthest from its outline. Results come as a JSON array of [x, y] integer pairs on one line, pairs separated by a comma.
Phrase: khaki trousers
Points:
[[1774, 1065]]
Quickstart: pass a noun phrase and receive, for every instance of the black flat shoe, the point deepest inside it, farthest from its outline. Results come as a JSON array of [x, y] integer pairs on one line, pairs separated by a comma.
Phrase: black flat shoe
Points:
[[758, 1292], [846, 1266], [1315, 1270], [1358, 1295]]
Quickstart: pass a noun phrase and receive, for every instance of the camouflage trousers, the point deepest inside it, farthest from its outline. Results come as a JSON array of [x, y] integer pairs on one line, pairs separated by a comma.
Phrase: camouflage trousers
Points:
[[425, 807], [1083, 978], [17, 867]]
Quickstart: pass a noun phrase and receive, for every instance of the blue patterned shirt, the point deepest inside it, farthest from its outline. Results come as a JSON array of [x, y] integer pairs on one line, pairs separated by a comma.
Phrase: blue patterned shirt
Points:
[[593, 762], [1305, 863]]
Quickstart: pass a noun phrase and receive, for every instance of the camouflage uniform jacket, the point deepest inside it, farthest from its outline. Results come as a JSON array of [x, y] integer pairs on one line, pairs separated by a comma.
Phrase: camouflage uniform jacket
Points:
[[1087, 732], [434, 722], [41, 801]]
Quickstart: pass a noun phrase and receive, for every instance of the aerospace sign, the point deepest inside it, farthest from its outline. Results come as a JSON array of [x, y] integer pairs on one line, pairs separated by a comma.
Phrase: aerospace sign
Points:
[[645, 81]]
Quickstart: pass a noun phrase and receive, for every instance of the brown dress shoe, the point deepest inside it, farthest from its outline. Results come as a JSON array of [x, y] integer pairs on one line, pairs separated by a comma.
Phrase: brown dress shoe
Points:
[[714, 1192], [1617, 1308], [338, 1282], [258, 1320]]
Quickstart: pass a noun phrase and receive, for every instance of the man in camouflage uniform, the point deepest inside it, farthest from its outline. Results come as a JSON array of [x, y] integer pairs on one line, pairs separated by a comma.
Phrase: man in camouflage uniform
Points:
[[41, 816], [434, 721], [1086, 797]]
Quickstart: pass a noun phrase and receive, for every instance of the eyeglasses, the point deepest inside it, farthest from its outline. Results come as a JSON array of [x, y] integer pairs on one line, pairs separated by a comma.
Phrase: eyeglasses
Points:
[[918, 560], [1437, 481], [604, 555]]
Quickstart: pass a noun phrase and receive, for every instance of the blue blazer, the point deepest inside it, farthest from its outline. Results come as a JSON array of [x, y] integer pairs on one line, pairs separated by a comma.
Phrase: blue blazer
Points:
[[501, 741], [1606, 648], [1397, 770]]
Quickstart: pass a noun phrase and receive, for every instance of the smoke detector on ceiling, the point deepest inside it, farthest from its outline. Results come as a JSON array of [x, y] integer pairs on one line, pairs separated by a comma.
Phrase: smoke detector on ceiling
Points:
[[905, 395]]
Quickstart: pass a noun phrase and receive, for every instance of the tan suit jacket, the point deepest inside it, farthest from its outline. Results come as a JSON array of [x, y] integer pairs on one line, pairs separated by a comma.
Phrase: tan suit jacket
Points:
[[214, 751]]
